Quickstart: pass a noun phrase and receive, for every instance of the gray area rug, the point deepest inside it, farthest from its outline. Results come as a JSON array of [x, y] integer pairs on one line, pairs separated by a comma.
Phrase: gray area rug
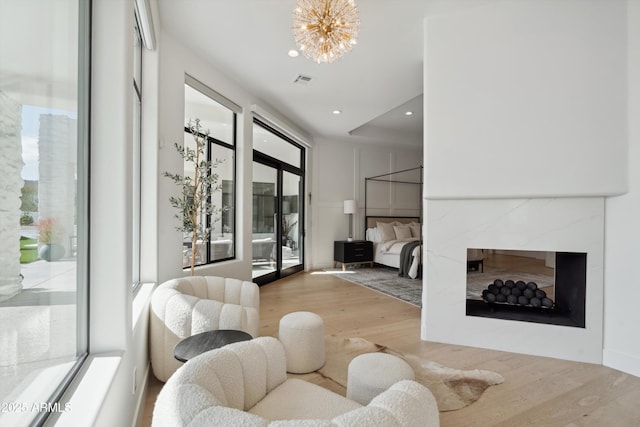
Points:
[[385, 280], [477, 282]]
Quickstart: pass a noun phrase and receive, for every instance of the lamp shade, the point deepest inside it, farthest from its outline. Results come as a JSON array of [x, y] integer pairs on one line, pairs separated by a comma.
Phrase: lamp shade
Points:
[[350, 206]]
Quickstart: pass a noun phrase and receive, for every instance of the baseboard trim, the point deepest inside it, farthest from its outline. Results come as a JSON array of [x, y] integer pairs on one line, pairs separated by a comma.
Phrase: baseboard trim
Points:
[[139, 415], [622, 362]]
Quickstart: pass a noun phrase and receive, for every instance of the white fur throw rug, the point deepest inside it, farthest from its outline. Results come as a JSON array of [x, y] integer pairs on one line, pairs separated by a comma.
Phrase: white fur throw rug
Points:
[[452, 388]]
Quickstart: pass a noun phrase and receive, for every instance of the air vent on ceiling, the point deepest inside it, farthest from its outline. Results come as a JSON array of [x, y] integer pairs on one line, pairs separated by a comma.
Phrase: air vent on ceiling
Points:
[[301, 79]]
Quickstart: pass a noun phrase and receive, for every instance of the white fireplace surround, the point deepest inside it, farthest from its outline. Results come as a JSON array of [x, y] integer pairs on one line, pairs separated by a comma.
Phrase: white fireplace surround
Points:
[[540, 224]]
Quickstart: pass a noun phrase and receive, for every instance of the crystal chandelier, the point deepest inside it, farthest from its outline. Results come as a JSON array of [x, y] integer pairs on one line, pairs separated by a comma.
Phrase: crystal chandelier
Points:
[[325, 30]]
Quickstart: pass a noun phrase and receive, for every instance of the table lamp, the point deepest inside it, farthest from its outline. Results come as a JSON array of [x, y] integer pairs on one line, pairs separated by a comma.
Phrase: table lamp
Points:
[[350, 207]]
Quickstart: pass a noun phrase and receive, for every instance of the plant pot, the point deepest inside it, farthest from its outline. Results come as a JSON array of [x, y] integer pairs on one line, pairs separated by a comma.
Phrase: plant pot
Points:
[[51, 252]]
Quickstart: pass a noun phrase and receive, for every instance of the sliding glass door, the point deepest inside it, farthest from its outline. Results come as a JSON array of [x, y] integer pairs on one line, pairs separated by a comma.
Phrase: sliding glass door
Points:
[[277, 243], [290, 220], [277, 240], [265, 233], [278, 204]]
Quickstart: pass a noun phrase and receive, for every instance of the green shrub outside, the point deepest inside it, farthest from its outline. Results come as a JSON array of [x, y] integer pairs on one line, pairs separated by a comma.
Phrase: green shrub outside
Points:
[[26, 219], [28, 250]]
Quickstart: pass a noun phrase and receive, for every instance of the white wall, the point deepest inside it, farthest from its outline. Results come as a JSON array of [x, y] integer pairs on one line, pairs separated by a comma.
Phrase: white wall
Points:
[[340, 171], [536, 99], [622, 241], [566, 58], [149, 161]]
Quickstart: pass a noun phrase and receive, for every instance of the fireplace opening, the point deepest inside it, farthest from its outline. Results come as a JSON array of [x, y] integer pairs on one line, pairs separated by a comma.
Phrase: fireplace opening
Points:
[[528, 286]]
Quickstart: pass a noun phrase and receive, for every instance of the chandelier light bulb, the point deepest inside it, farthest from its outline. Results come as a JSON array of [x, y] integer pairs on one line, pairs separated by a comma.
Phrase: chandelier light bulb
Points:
[[325, 30]]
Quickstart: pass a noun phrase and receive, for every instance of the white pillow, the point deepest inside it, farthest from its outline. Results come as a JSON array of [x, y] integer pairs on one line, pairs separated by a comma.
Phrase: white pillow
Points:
[[372, 235], [402, 231], [415, 229], [386, 232]]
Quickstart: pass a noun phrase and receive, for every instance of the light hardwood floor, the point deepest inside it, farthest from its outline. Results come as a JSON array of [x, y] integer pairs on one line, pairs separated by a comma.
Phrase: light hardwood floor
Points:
[[537, 391]]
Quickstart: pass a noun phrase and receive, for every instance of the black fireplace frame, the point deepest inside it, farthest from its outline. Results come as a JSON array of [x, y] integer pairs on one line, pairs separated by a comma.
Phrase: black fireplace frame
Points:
[[570, 297]]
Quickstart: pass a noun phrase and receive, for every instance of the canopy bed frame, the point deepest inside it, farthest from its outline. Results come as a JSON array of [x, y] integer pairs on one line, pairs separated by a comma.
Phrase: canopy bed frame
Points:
[[397, 239]]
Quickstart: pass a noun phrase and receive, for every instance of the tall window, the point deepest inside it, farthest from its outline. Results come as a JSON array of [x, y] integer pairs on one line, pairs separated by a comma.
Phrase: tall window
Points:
[[217, 117], [43, 203], [136, 154]]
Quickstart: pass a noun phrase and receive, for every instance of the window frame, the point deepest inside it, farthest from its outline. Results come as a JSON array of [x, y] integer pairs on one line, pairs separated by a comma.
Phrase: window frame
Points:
[[213, 142], [136, 148]]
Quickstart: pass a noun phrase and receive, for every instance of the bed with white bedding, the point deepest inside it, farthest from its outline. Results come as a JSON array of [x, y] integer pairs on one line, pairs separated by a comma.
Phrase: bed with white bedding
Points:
[[396, 243]]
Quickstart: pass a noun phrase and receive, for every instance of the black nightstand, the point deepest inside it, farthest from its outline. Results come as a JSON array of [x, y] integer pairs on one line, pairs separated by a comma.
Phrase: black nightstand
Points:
[[354, 252]]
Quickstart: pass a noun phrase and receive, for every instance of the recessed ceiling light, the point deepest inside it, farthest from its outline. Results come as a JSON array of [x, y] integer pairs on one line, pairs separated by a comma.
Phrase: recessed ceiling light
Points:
[[336, 112], [293, 53], [408, 113]]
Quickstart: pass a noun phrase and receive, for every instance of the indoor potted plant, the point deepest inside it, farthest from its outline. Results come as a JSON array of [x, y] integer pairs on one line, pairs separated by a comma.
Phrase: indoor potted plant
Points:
[[194, 201], [50, 235], [287, 228]]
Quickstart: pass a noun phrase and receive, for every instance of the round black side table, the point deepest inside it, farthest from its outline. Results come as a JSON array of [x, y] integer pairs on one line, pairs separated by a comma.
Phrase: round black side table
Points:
[[197, 344]]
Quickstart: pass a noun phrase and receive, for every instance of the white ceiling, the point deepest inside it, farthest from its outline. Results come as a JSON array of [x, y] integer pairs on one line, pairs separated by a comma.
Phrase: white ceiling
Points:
[[248, 40], [373, 85]]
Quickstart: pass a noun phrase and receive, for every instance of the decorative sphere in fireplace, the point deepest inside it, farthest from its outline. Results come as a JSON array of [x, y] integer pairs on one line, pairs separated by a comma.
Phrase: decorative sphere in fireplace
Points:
[[489, 296], [516, 293]]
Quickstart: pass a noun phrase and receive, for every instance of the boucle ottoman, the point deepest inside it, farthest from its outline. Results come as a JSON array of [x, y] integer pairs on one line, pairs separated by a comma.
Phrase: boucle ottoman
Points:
[[302, 336], [372, 373]]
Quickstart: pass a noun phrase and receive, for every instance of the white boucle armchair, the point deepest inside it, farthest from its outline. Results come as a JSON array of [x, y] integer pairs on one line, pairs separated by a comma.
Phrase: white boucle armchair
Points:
[[245, 384], [190, 305]]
